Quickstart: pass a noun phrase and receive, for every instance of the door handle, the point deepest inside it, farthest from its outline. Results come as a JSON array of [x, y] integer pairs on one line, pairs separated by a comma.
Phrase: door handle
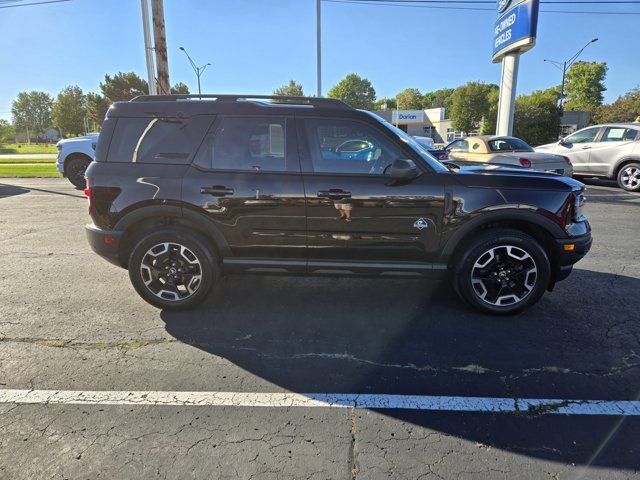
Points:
[[217, 191], [586, 148], [334, 194]]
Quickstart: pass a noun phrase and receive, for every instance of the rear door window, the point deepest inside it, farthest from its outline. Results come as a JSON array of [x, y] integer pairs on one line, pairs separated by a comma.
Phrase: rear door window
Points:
[[257, 144], [158, 140], [619, 134]]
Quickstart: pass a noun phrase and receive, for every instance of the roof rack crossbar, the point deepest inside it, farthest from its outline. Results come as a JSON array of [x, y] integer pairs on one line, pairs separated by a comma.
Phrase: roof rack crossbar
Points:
[[314, 101]]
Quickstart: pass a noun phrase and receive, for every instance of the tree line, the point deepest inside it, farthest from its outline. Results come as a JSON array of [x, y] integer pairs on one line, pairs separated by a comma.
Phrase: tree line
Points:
[[34, 111], [473, 107]]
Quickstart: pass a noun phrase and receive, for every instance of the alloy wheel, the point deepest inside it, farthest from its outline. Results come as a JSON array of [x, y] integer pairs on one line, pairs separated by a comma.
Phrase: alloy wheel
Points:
[[171, 271], [630, 177], [504, 275]]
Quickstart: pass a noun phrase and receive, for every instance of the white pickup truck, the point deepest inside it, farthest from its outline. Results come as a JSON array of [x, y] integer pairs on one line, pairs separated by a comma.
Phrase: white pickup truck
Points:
[[74, 156]]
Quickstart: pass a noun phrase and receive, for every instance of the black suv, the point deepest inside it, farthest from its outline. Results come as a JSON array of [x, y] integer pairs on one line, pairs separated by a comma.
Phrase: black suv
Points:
[[185, 188]]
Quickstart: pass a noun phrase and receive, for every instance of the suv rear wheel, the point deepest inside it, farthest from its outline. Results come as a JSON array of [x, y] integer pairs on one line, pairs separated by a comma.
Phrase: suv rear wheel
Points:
[[629, 177], [173, 269], [502, 272]]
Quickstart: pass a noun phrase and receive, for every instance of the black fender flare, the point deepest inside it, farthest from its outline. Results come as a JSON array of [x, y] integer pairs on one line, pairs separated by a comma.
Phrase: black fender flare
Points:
[[505, 214], [177, 211]]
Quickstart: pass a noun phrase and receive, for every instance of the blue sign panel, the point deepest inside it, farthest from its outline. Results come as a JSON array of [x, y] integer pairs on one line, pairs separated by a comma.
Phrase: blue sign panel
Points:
[[516, 29]]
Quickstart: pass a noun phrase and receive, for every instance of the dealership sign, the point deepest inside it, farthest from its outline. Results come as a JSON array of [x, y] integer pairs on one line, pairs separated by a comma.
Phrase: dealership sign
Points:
[[516, 27], [407, 116]]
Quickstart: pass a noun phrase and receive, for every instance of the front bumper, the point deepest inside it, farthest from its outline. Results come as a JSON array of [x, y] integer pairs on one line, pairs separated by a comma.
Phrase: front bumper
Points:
[[569, 251], [105, 243]]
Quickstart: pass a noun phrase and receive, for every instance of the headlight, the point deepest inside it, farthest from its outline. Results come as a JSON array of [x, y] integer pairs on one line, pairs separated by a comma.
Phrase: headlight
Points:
[[578, 206]]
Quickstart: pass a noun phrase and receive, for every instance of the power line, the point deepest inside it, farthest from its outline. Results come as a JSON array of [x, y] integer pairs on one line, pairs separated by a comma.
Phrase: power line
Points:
[[471, 2], [29, 4], [398, 4]]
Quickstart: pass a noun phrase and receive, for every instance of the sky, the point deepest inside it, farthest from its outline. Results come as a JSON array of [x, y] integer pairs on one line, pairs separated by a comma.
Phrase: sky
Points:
[[255, 46]]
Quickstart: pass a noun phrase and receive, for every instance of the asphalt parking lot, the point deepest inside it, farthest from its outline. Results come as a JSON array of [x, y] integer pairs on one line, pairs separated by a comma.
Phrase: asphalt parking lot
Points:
[[69, 321]]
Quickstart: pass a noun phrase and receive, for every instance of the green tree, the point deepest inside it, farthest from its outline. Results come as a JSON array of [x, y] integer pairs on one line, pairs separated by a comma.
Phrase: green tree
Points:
[[180, 89], [410, 99], [97, 106], [491, 117], [625, 109], [390, 103], [470, 106], [69, 110], [123, 86], [585, 85], [438, 98], [537, 117], [292, 89], [6, 130], [31, 111], [356, 91]]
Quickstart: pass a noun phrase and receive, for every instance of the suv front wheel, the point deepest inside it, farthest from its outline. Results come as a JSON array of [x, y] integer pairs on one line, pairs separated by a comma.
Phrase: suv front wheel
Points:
[[173, 269], [75, 169], [502, 272]]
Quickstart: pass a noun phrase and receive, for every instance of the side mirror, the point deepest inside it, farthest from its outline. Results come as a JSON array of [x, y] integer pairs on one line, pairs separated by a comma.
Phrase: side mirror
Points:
[[403, 170], [561, 140]]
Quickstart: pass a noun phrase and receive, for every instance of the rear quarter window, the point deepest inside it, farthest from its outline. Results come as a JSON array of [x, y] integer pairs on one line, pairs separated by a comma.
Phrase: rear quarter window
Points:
[[157, 140]]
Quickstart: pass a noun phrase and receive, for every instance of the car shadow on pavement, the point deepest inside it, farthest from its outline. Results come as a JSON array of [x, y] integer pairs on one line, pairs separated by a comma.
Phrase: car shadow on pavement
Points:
[[11, 190], [7, 190], [311, 335]]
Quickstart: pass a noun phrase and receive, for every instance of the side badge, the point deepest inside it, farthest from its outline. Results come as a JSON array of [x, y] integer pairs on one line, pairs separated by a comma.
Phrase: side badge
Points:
[[420, 224]]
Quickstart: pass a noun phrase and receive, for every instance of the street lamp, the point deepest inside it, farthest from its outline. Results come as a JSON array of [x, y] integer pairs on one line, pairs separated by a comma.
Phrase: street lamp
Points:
[[198, 70], [564, 66]]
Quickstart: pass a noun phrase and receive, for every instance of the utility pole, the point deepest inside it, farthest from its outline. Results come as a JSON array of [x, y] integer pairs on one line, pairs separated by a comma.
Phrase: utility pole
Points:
[[319, 46], [565, 66], [148, 48], [160, 40]]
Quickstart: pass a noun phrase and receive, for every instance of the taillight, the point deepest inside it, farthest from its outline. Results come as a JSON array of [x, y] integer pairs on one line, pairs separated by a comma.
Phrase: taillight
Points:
[[525, 162], [566, 160], [89, 193]]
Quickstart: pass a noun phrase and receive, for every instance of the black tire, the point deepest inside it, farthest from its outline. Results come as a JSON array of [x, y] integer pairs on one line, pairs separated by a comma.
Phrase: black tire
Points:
[[74, 170], [629, 177], [148, 282], [480, 272]]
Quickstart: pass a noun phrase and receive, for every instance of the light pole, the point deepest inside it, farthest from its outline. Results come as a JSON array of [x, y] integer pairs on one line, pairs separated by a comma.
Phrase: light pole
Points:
[[565, 66], [198, 70]]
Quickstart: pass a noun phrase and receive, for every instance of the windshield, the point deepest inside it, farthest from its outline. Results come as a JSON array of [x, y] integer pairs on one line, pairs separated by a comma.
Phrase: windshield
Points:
[[419, 149], [509, 145]]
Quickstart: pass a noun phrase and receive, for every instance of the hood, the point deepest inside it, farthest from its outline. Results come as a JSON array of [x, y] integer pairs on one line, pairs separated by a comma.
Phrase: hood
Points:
[[496, 176], [547, 146], [84, 138]]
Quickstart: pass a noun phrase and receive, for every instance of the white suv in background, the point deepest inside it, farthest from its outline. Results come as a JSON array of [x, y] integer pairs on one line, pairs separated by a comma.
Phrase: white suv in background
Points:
[[611, 150], [74, 156]]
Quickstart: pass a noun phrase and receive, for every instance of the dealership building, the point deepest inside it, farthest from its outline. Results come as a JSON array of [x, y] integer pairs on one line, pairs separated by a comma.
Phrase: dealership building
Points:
[[432, 122]]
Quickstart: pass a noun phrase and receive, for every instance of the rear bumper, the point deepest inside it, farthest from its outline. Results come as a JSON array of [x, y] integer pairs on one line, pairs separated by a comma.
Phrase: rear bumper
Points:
[[105, 243], [569, 252]]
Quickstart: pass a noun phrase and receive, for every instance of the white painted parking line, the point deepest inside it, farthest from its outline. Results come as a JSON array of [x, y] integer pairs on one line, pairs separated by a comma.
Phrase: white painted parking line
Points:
[[323, 400]]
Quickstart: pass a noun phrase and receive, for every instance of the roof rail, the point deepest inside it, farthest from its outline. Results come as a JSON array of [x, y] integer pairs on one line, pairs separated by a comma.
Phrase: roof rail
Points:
[[317, 102]]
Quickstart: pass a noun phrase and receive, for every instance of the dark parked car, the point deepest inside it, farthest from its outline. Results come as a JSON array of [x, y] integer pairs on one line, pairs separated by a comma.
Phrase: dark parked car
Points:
[[185, 189]]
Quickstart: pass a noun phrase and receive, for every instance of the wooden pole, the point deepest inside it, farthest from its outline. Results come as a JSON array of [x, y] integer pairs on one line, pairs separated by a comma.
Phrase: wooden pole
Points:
[[160, 40]]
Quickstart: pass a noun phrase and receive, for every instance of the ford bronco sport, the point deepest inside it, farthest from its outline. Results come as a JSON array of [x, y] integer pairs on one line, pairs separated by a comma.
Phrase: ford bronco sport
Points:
[[186, 188]]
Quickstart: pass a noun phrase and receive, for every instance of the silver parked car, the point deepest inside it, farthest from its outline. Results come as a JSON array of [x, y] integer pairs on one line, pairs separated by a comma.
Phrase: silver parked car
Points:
[[611, 151]]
